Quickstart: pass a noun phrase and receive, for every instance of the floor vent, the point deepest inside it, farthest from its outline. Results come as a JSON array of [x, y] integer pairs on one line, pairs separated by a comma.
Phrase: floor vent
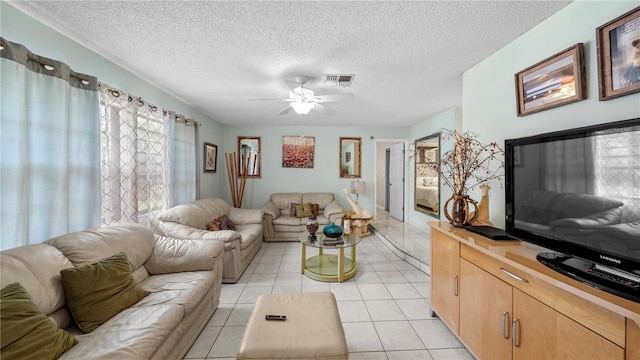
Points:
[[343, 80]]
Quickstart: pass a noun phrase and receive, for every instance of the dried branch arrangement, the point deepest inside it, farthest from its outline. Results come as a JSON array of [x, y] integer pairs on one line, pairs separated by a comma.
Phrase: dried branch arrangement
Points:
[[237, 175]]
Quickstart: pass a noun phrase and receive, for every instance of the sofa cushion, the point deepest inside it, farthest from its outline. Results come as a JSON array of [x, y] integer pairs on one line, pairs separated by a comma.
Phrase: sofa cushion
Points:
[[581, 205], [93, 245], [27, 333], [99, 291], [37, 268], [188, 214]]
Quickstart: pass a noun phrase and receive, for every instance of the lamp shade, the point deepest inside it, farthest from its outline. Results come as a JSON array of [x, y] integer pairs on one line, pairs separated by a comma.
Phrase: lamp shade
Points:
[[301, 107], [357, 187]]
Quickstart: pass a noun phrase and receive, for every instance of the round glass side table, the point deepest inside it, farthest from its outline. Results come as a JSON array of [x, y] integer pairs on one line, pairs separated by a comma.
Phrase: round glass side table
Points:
[[329, 267]]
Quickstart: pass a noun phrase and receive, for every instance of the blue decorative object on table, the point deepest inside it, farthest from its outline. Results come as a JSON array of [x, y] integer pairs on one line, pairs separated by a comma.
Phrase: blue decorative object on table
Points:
[[332, 231]]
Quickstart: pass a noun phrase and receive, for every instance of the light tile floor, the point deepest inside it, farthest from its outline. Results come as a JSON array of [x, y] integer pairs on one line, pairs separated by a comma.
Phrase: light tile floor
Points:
[[384, 309]]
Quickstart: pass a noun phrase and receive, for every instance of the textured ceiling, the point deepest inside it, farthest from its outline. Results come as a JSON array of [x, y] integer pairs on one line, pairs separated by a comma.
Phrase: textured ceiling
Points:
[[408, 57]]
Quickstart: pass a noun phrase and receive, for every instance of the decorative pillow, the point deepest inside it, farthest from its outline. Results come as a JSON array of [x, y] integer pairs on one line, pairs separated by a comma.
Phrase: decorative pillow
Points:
[[27, 333], [314, 209], [97, 292], [303, 210], [226, 223], [292, 211], [214, 225]]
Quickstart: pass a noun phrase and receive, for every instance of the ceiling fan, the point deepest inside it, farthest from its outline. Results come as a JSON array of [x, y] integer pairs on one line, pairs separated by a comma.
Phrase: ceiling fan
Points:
[[302, 100]]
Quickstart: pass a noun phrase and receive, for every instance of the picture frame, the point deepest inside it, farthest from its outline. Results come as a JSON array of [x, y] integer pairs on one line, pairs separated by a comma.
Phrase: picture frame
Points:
[[210, 157], [618, 53], [298, 152], [555, 81]]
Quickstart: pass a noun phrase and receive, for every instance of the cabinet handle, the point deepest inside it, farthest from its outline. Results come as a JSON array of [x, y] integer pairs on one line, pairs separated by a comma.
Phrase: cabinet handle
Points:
[[513, 276], [505, 327], [515, 341], [455, 285]]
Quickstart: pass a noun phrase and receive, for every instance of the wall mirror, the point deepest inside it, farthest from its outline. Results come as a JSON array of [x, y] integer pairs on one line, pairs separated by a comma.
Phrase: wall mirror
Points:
[[427, 181], [350, 158], [250, 147]]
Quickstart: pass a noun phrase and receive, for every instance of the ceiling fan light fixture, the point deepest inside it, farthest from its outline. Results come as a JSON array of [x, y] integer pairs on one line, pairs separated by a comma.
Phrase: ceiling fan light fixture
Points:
[[302, 107]]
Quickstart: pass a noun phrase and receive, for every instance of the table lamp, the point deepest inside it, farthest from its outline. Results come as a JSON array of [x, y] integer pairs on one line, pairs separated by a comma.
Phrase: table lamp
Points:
[[357, 188]]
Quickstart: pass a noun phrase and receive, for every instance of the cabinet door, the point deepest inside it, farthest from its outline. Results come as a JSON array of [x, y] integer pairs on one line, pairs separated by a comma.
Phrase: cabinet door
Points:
[[485, 313], [445, 257], [543, 333]]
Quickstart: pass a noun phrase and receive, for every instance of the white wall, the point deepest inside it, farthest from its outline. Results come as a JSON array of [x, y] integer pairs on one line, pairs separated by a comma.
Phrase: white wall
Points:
[[325, 175], [489, 90]]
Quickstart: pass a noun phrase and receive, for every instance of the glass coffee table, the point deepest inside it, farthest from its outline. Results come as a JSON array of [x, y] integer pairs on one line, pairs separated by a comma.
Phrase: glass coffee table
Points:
[[329, 267]]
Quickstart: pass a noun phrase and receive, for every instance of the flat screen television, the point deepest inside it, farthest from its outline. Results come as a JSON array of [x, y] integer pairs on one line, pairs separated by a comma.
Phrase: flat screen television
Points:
[[577, 193]]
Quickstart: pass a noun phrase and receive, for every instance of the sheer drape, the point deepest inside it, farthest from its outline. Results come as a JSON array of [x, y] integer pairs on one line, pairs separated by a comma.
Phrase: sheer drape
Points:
[[148, 158], [49, 160]]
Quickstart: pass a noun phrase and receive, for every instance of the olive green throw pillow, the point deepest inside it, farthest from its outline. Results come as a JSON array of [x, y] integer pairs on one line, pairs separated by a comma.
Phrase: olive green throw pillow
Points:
[[97, 292], [303, 210], [27, 333]]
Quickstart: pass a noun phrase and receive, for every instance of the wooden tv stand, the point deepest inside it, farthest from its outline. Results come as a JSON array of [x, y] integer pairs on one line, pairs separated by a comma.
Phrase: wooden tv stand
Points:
[[504, 304]]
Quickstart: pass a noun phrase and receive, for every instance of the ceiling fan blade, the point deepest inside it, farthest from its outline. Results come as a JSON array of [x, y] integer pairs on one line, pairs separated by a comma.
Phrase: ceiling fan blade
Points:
[[335, 97], [323, 109], [285, 110], [292, 84]]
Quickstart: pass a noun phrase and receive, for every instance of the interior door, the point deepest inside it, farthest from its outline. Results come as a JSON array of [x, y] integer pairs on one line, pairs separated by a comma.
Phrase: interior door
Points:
[[396, 181]]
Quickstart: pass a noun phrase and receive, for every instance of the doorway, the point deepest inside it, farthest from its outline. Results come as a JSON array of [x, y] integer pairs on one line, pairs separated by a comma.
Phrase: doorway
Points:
[[389, 183]]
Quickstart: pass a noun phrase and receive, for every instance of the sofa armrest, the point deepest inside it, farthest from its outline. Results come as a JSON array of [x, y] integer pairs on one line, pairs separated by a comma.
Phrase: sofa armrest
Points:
[[179, 231], [333, 210], [178, 255], [271, 209], [246, 216]]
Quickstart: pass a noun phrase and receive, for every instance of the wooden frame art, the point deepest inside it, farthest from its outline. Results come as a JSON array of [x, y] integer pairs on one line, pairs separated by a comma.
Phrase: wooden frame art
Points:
[[555, 81], [618, 53], [210, 157]]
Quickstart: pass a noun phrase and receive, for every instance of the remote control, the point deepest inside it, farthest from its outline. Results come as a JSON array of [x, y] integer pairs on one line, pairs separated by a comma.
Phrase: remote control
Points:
[[276, 317]]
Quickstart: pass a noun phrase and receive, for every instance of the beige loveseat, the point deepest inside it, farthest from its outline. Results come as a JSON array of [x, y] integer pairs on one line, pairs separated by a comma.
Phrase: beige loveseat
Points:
[[184, 279], [280, 225], [189, 221]]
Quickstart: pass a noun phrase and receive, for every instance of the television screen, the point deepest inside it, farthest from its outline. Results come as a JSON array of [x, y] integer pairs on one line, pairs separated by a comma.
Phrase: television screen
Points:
[[578, 192]]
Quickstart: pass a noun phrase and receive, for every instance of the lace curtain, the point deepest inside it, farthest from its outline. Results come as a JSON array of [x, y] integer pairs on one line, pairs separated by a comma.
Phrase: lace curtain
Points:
[[49, 160], [148, 158]]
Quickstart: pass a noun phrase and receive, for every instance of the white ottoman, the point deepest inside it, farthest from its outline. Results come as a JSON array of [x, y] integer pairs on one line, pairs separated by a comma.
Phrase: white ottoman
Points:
[[313, 329]]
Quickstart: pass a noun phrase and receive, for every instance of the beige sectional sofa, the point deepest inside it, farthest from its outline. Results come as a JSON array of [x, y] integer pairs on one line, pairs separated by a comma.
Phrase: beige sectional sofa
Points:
[[189, 221], [184, 279], [278, 223]]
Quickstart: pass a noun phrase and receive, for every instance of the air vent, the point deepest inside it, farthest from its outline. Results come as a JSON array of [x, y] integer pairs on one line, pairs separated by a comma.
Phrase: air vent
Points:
[[343, 80]]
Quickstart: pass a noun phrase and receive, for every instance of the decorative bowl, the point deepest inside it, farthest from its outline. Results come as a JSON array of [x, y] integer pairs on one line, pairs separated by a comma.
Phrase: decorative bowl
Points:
[[332, 231]]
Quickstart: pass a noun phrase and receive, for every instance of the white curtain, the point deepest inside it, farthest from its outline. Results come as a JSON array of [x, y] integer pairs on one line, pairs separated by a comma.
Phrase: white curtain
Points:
[[148, 158], [183, 159], [49, 158]]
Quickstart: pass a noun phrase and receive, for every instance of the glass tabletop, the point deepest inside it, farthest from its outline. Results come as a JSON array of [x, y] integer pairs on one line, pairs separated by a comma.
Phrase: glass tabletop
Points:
[[326, 242]]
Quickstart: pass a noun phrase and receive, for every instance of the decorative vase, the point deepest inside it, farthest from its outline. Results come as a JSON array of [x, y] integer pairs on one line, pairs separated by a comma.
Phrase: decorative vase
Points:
[[332, 231], [312, 227], [460, 214]]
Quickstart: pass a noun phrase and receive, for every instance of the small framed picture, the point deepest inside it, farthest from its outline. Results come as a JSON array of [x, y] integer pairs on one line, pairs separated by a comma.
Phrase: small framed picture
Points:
[[210, 157], [618, 55], [555, 81]]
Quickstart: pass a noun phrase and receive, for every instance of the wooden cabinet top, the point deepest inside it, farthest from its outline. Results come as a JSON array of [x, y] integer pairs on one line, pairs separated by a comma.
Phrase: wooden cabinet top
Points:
[[522, 255]]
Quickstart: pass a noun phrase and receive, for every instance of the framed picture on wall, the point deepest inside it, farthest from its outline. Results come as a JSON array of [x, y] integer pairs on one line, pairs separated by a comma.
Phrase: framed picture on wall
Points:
[[618, 55], [298, 151], [210, 157], [555, 81]]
